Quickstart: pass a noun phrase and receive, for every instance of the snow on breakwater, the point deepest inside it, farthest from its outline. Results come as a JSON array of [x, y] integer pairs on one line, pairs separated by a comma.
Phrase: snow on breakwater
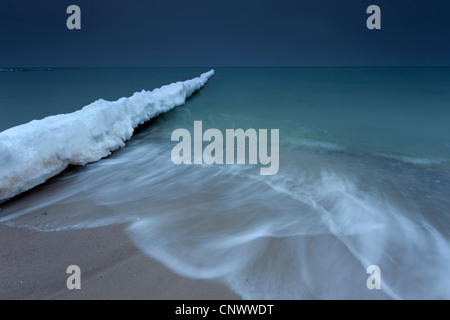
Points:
[[32, 153]]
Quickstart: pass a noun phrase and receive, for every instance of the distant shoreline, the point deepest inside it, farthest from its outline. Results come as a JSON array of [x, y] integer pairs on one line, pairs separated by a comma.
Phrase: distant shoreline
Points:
[[24, 69]]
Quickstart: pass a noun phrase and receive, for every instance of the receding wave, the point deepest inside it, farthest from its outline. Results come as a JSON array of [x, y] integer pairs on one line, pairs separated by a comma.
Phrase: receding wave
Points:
[[308, 232]]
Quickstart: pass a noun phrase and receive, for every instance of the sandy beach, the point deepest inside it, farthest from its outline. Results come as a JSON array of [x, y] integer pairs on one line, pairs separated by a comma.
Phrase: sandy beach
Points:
[[33, 266]]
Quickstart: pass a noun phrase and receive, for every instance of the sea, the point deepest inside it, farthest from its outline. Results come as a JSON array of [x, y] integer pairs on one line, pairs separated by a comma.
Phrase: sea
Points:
[[363, 180]]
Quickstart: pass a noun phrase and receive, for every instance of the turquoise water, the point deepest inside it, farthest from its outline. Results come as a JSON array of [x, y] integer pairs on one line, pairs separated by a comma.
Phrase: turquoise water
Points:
[[364, 178], [397, 111]]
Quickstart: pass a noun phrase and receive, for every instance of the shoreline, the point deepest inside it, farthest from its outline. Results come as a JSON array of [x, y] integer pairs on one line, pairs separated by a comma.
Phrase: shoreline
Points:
[[33, 266]]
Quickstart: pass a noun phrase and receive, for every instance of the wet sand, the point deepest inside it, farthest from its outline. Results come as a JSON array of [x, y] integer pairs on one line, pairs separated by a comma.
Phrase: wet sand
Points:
[[33, 266]]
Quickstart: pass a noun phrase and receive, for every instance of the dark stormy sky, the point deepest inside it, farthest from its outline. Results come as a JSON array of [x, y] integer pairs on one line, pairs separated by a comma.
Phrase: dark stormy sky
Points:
[[224, 33]]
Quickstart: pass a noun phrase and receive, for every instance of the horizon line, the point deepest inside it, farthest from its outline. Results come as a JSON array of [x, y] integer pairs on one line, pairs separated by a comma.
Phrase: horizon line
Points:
[[262, 66]]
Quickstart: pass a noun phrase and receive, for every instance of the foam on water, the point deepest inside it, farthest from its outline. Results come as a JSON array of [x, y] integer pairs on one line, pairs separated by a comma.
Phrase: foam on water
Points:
[[416, 160], [308, 232]]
